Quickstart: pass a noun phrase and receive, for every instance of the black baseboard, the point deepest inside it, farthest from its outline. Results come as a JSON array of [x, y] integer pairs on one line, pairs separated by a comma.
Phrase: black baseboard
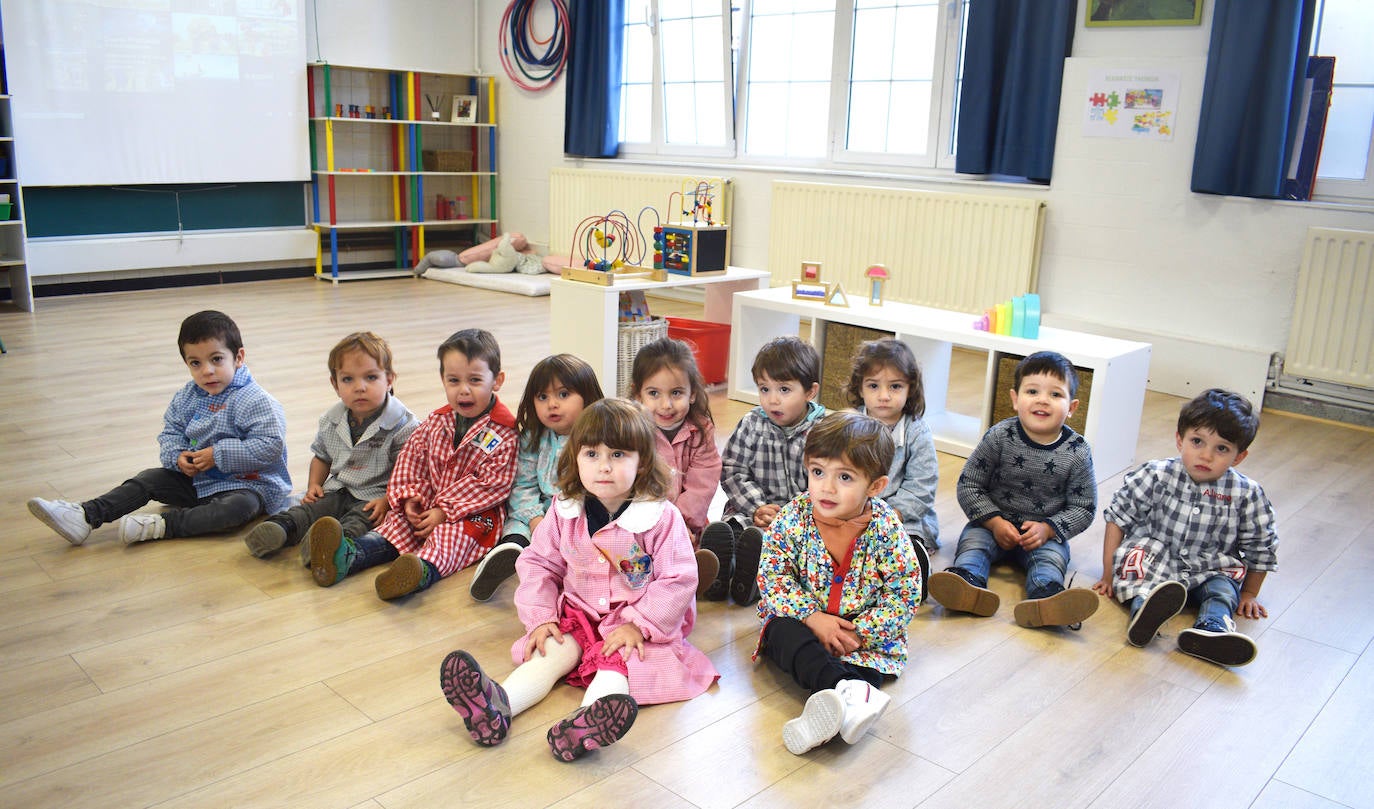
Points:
[[194, 279]]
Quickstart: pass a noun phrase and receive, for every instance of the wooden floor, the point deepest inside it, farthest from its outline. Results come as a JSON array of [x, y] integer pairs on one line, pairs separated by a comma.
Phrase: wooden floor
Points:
[[188, 673]]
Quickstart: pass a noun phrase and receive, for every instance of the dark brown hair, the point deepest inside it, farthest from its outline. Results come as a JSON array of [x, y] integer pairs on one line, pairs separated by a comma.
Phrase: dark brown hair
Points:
[[666, 352], [784, 358], [1228, 414], [209, 325], [475, 344], [889, 352], [619, 424], [860, 439], [1051, 363], [560, 369]]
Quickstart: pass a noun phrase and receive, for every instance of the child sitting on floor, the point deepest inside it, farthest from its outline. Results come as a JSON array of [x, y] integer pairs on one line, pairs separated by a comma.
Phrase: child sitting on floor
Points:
[[840, 582], [1193, 529], [607, 596]]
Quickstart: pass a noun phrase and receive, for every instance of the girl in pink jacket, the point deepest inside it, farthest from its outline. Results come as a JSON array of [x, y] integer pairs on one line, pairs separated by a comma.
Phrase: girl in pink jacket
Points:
[[666, 382], [607, 596]]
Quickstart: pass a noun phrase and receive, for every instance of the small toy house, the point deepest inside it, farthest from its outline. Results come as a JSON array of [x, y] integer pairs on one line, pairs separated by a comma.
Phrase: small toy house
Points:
[[877, 275]]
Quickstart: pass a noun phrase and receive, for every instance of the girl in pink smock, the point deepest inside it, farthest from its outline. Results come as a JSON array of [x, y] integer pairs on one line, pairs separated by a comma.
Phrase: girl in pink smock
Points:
[[607, 596]]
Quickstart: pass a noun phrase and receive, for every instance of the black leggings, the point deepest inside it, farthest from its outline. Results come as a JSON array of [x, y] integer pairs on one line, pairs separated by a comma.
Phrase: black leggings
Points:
[[191, 516], [788, 642]]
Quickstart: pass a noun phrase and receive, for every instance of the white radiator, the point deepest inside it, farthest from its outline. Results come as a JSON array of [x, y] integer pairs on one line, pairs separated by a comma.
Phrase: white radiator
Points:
[[575, 194], [1332, 337], [965, 252]]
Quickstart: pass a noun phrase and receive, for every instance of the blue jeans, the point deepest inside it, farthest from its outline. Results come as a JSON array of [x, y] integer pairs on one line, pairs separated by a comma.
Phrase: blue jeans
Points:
[[1044, 566], [1216, 598]]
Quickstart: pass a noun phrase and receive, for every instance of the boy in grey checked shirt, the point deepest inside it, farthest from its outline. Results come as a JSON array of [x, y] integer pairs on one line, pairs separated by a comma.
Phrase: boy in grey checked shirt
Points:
[[762, 467], [355, 447], [1027, 489], [1192, 529]]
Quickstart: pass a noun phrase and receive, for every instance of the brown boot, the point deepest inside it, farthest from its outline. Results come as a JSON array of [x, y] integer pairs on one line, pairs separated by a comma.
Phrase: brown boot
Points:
[[1064, 608]]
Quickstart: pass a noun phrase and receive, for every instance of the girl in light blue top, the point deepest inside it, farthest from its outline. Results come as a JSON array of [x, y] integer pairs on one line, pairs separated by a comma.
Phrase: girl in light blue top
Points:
[[557, 390]]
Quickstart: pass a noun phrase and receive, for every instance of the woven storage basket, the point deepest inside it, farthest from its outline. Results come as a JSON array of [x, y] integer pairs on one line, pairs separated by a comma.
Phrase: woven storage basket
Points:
[[631, 337], [446, 160]]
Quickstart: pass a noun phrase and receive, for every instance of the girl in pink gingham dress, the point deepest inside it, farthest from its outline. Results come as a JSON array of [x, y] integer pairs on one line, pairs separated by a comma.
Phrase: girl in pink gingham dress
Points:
[[607, 596]]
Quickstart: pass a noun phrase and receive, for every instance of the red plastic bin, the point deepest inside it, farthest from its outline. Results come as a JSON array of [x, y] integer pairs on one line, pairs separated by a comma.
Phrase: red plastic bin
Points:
[[710, 343]]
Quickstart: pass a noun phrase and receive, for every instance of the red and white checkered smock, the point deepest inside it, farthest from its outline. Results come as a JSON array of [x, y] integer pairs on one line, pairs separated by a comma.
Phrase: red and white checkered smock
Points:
[[470, 482], [639, 569]]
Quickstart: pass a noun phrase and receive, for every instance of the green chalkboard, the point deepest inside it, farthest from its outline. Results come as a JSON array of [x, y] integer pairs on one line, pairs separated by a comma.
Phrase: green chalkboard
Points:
[[98, 210]]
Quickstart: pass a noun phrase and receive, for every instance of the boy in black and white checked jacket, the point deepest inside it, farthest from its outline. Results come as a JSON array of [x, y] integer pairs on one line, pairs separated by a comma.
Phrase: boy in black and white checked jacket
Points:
[[762, 467], [1193, 529]]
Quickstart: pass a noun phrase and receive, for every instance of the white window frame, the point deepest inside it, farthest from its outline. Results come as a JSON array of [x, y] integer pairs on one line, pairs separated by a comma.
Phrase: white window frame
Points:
[[939, 160], [1337, 190]]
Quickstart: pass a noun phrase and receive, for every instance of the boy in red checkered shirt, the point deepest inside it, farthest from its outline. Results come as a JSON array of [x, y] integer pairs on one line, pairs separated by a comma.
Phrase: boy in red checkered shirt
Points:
[[448, 488]]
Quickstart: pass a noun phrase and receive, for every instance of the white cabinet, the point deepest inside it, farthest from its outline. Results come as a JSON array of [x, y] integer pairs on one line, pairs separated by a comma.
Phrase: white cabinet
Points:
[[13, 257]]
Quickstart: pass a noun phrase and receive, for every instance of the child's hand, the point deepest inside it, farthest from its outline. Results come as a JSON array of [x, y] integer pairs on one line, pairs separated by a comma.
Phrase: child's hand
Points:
[[1251, 608], [429, 520], [836, 634], [764, 514], [1004, 533], [624, 638], [541, 634], [313, 492], [1034, 534], [413, 508], [185, 465], [534, 523], [1103, 586], [375, 510], [202, 459]]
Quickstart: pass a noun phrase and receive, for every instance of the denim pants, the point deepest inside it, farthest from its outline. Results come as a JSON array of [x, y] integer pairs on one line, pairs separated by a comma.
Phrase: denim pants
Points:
[[190, 515], [795, 649], [978, 552], [1216, 599], [339, 504]]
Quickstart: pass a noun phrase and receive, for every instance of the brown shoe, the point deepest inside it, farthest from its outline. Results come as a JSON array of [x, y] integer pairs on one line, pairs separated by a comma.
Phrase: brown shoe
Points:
[[954, 593], [708, 566], [1064, 608], [324, 539], [401, 578]]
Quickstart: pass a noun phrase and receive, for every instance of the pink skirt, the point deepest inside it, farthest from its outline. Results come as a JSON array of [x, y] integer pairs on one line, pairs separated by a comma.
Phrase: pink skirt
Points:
[[574, 622]]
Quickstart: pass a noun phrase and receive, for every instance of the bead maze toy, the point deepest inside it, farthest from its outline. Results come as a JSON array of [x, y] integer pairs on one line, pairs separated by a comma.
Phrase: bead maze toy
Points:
[[697, 245], [611, 249], [1018, 317]]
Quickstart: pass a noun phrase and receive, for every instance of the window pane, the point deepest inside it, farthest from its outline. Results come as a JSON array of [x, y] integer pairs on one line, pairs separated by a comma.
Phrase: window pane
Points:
[[915, 59], [808, 109], [873, 51], [908, 129], [636, 107], [690, 45], [1345, 149], [766, 121], [789, 79], [1347, 32], [868, 103], [893, 66]]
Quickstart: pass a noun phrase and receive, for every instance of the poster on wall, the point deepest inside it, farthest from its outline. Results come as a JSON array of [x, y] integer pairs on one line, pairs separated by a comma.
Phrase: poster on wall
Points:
[[1131, 103]]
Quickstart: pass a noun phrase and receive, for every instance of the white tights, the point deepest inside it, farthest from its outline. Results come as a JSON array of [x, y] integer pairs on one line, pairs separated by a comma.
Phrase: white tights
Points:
[[532, 680]]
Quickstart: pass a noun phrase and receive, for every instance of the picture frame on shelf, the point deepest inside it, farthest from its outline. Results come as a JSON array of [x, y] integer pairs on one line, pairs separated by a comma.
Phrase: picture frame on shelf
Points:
[[1116, 13], [810, 271], [464, 110]]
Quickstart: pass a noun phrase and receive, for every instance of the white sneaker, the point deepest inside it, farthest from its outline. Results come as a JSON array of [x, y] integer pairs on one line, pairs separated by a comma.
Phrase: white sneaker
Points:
[[139, 527], [863, 704], [818, 723], [66, 518]]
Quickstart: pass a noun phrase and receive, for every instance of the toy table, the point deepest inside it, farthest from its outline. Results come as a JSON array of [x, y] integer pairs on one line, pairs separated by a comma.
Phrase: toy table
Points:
[[584, 318], [1120, 367]]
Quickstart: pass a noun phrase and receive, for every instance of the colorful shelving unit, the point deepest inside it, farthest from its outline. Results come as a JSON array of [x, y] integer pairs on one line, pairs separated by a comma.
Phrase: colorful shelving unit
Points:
[[370, 131]]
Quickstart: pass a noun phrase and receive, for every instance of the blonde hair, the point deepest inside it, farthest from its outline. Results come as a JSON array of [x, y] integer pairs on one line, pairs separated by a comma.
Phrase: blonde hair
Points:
[[366, 342], [619, 424]]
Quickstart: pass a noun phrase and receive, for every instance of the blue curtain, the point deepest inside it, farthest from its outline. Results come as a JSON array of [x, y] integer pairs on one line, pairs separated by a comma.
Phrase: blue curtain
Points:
[[1251, 98], [591, 114], [1013, 69]]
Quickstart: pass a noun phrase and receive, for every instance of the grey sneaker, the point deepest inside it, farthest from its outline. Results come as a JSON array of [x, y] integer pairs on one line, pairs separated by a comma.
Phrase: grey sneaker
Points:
[[1163, 602], [68, 519], [497, 566], [266, 538], [141, 527]]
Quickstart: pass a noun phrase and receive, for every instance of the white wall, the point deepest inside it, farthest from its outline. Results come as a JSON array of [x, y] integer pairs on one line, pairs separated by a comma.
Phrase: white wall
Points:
[[423, 35], [1128, 248]]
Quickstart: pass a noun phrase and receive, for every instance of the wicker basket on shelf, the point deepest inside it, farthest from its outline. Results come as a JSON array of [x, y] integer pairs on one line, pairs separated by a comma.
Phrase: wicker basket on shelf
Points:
[[631, 337], [446, 160]]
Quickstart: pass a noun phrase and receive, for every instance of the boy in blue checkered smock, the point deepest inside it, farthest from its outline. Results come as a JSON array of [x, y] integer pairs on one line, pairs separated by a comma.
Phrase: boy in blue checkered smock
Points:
[[222, 447], [1192, 529]]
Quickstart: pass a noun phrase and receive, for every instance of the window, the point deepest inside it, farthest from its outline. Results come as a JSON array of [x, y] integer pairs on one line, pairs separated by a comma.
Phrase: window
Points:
[[796, 82], [1344, 29]]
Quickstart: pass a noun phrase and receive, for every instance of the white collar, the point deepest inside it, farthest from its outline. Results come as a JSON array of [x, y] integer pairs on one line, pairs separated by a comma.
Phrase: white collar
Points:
[[640, 515]]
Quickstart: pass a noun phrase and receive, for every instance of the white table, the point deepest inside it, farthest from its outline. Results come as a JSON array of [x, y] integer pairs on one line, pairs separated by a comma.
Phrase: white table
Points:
[[584, 318], [1120, 367]]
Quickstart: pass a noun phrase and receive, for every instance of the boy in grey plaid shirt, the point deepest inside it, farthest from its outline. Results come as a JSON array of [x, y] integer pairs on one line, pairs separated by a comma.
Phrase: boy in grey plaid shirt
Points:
[[762, 467], [357, 443], [1193, 529]]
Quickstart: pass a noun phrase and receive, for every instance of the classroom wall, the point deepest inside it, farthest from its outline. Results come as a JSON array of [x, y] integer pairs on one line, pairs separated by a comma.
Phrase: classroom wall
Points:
[[1129, 250]]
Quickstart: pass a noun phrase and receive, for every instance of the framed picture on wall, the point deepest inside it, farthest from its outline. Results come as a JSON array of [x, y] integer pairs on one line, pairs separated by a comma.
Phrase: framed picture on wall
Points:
[[464, 110], [1105, 13]]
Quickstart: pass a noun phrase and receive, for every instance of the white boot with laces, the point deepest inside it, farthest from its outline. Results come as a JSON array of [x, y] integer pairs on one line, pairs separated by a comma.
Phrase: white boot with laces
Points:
[[863, 704]]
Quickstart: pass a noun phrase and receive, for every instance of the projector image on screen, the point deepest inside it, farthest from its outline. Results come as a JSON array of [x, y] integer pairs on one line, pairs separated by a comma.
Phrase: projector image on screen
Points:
[[126, 91]]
